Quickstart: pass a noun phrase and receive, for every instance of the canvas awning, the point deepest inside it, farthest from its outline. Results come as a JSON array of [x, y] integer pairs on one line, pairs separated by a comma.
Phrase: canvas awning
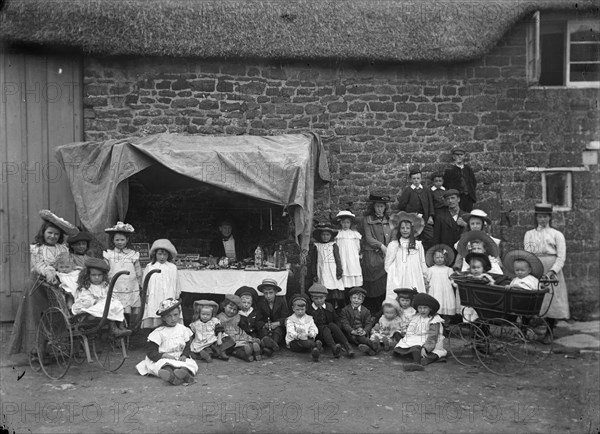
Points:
[[276, 169]]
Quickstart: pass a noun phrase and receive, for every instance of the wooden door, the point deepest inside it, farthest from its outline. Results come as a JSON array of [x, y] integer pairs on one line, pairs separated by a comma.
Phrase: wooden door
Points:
[[40, 109]]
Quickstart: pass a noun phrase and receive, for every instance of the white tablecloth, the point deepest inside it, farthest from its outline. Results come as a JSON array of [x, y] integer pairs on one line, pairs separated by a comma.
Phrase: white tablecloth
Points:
[[227, 281]]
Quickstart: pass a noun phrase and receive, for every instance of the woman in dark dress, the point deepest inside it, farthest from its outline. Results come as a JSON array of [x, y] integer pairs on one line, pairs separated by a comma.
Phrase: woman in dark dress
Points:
[[376, 236]]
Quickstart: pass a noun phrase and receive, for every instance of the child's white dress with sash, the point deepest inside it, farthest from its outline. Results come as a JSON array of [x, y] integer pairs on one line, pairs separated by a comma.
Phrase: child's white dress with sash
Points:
[[170, 340], [418, 331]]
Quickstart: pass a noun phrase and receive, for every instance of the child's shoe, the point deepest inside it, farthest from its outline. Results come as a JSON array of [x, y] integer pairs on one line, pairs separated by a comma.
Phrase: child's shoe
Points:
[[169, 376], [336, 350], [268, 352], [386, 344], [248, 350], [349, 351], [119, 332], [204, 355], [256, 351], [184, 375], [316, 351], [376, 345], [269, 342], [366, 349], [410, 367], [429, 358]]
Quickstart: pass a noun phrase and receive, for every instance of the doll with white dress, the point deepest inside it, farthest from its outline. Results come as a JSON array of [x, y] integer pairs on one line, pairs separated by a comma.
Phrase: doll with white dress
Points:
[[162, 285]]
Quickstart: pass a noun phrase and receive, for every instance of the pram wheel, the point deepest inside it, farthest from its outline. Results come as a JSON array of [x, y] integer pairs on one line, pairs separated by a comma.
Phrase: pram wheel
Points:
[[506, 352], [54, 343], [110, 352], [464, 340]]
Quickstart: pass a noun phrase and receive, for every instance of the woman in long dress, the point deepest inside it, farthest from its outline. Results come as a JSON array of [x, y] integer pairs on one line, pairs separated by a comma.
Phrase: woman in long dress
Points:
[[377, 235], [549, 246]]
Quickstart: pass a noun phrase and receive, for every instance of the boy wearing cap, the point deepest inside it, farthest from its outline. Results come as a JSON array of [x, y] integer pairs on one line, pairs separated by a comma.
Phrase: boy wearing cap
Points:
[[301, 330], [449, 222], [272, 312], [357, 322], [327, 321], [460, 176]]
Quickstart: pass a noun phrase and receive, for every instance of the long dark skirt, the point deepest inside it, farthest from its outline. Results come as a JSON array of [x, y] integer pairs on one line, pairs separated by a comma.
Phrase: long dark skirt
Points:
[[375, 293], [33, 303]]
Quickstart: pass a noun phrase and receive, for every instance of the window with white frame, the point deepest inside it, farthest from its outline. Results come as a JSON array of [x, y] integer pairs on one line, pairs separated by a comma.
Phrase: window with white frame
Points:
[[563, 52]]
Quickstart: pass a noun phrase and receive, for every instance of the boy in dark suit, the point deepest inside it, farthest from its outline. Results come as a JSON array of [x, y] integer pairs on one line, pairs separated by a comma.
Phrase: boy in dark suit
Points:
[[437, 190], [272, 313], [419, 200], [460, 176], [327, 321], [356, 321], [250, 317]]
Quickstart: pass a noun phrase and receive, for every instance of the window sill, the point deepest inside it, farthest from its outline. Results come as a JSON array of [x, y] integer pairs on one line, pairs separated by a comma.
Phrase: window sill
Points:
[[590, 86]]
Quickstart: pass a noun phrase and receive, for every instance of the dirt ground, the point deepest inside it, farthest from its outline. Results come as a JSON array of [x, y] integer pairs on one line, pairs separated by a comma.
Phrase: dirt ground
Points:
[[290, 393]]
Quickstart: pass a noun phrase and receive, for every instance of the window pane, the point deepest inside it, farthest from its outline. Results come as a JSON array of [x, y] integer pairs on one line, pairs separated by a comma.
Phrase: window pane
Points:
[[583, 52], [556, 188], [552, 49], [584, 72], [585, 33]]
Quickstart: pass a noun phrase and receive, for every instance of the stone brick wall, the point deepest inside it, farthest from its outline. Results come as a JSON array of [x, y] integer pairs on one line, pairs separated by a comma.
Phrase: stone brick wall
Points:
[[377, 120]]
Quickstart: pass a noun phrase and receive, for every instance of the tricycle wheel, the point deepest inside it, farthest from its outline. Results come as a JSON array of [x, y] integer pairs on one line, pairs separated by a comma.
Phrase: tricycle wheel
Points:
[[464, 340], [110, 352], [54, 343], [507, 351]]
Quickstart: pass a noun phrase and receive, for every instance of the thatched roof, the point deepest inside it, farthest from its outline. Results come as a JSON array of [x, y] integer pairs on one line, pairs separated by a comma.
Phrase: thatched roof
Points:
[[366, 30]]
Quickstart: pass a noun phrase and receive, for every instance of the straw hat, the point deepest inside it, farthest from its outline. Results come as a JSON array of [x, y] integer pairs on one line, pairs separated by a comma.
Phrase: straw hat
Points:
[[537, 268], [379, 197], [207, 303], [323, 227], [543, 208], [345, 215], [167, 306], [164, 244], [479, 214], [406, 292], [268, 283], [463, 247], [448, 254], [68, 228], [417, 222], [120, 227]]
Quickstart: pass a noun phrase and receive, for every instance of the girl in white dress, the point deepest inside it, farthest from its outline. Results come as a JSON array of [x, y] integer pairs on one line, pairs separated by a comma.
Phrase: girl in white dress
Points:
[[121, 257], [168, 348], [439, 280], [92, 291], [326, 264], [424, 339], [405, 258], [348, 242], [162, 285]]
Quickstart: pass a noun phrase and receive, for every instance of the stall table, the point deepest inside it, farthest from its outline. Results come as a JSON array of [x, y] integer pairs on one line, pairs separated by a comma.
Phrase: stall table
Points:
[[227, 281], [215, 284]]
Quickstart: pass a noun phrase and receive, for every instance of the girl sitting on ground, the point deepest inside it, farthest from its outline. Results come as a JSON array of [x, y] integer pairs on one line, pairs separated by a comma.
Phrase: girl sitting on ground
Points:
[[424, 339], [246, 347], [208, 333], [168, 348]]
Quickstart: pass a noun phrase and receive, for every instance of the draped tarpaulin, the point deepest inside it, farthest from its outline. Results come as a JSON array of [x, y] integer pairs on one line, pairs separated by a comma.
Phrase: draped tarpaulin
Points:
[[277, 169]]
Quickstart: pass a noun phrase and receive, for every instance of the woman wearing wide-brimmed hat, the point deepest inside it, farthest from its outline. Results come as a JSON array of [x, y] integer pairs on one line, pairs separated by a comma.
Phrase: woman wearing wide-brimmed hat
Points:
[[549, 246], [377, 235]]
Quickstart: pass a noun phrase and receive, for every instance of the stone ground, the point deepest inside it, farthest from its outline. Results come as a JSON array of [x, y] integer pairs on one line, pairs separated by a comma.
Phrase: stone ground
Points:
[[290, 393]]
